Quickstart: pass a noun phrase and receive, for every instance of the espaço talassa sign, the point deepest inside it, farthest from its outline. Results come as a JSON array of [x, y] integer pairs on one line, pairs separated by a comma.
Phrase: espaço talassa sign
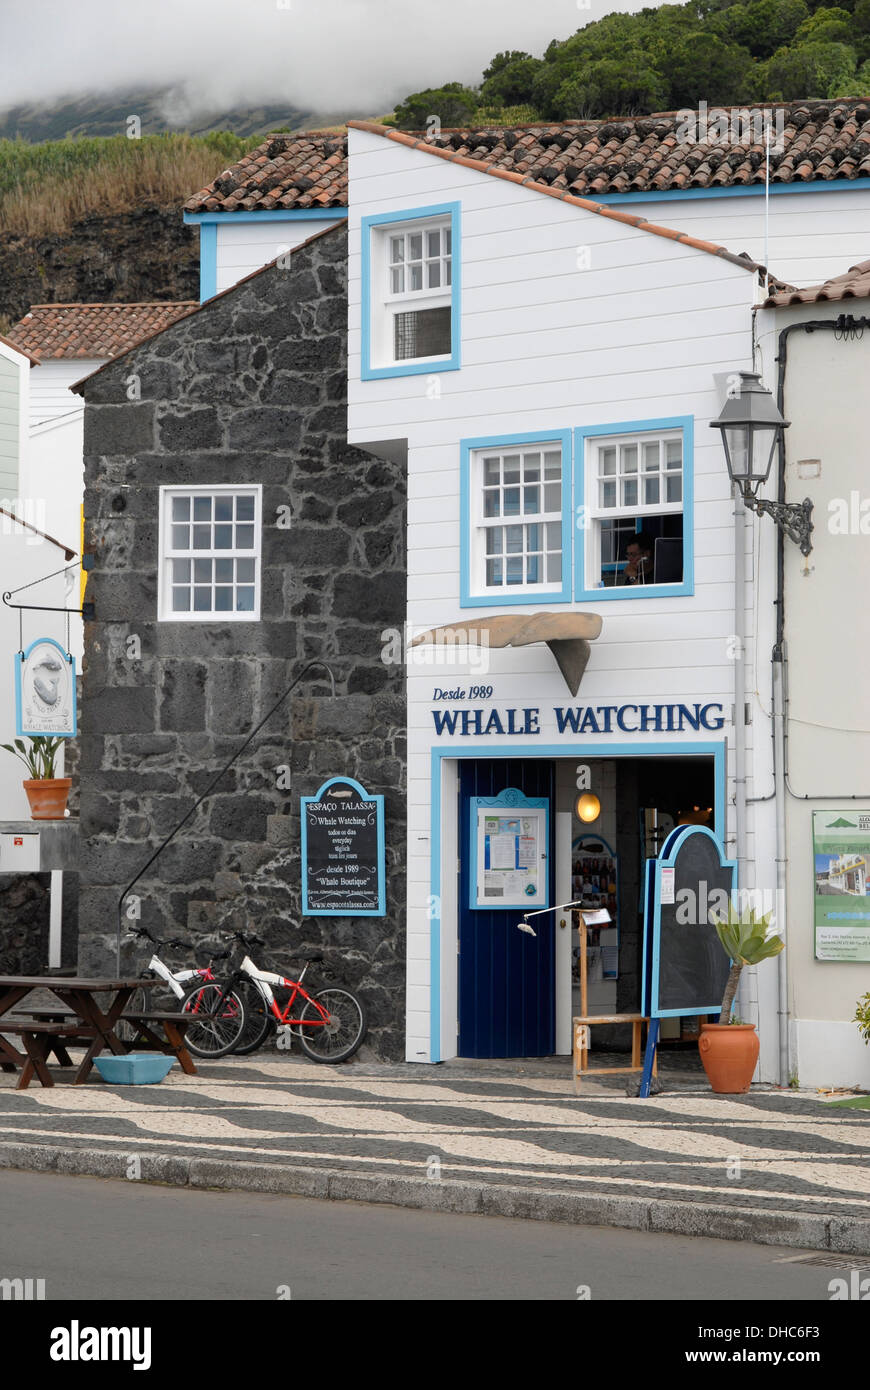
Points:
[[343, 851]]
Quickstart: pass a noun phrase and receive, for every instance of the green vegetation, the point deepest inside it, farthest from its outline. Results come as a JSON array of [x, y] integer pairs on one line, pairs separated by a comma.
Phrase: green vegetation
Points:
[[666, 59], [862, 1017], [45, 188], [39, 758], [746, 939]]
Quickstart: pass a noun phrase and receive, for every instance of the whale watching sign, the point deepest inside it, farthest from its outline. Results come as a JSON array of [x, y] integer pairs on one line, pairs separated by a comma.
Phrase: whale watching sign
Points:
[[343, 852]]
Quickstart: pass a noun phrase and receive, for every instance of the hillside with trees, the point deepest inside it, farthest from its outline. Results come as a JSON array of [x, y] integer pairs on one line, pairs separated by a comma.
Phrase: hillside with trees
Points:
[[666, 59]]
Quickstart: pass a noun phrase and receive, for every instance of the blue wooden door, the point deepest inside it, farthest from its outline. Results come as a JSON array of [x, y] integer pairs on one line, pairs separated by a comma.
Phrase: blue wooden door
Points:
[[507, 1000]]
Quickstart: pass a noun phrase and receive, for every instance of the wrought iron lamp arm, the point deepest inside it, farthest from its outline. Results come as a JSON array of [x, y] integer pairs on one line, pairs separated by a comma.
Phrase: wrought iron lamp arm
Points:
[[794, 518]]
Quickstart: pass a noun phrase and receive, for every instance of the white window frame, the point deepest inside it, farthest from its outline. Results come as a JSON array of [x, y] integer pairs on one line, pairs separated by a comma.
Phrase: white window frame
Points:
[[166, 554], [596, 513], [387, 304], [481, 524]]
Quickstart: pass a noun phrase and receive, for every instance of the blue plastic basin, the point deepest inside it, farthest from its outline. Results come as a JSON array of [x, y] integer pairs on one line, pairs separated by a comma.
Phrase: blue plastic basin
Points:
[[136, 1069]]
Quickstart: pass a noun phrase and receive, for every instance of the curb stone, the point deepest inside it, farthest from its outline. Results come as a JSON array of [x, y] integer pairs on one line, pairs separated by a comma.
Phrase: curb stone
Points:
[[806, 1231]]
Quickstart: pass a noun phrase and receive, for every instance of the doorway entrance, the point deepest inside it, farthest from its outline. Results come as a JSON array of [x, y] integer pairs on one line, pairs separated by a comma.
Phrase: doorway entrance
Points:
[[517, 992]]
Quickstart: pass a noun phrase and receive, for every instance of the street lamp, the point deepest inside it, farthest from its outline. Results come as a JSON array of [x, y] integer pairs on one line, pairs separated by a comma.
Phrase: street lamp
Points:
[[752, 427]]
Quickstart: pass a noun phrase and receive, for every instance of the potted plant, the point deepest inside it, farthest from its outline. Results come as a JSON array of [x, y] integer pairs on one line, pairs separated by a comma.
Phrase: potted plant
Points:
[[729, 1050], [46, 793]]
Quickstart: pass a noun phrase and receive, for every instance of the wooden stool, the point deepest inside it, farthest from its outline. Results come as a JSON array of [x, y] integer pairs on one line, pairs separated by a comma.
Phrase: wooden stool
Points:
[[580, 1054]]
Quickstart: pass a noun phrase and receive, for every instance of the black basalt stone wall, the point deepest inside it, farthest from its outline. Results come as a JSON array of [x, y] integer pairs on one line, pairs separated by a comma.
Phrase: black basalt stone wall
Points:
[[251, 388]]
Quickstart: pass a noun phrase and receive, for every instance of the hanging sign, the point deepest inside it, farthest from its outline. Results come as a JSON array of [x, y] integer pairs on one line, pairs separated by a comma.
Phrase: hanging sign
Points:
[[510, 851], [841, 898], [45, 690], [343, 852]]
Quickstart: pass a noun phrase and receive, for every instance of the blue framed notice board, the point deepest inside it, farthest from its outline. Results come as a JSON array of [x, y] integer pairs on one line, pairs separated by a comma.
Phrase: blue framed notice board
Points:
[[343, 852], [510, 851]]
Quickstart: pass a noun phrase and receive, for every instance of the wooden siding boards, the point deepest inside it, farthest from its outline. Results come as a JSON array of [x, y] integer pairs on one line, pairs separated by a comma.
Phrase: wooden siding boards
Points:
[[50, 395], [10, 426], [246, 246], [549, 346]]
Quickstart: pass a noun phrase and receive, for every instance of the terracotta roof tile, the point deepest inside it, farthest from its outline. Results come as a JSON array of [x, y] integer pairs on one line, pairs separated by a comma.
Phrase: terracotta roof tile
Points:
[[852, 284], [91, 330]]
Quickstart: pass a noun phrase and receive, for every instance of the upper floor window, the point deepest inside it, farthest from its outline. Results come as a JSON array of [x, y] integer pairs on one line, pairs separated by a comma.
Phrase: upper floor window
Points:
[[516, 505], [635, 491], [410, 308], [209, 569]]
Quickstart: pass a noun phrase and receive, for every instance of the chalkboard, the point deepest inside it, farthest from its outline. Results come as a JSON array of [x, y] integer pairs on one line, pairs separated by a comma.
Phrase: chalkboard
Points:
[[343, 851], [688, 968]]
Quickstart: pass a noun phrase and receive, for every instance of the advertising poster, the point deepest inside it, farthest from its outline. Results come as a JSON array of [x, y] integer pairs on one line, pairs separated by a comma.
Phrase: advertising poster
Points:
[[511, 859], [841, 854]]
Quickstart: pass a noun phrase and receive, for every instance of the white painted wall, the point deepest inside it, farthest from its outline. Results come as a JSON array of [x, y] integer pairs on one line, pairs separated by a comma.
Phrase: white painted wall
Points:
[[24, 557], [52, 490], [811, 236], [828, 664], [50, 395], [545, 345], [247, 246], [14, 394]]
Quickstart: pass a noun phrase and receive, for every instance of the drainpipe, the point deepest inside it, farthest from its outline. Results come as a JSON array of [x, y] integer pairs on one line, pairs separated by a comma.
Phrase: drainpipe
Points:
[[740, 692]]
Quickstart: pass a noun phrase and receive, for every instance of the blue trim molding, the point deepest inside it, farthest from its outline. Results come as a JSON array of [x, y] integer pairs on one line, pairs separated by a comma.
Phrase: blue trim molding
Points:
[[207, 261], [756, 190], [432, 365], [685, 423], [228, 219], [588, 748], [503, 595]]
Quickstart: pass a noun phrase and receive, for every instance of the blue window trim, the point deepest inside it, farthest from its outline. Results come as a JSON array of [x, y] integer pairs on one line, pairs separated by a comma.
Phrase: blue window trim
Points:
[[432, 365], [641, 591], [267, 215], [501, 597], [588, 748], [207, 262]]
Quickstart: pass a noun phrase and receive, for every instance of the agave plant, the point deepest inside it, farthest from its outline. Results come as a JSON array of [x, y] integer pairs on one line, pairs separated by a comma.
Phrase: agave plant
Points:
[[39, 758], [746, 937]]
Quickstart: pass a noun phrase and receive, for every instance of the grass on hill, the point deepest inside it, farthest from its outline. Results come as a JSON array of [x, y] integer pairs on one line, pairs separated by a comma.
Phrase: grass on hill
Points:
[[46, 188]]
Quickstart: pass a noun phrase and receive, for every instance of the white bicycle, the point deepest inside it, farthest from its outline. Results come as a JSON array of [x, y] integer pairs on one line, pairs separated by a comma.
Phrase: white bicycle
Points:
[[222, 1023]]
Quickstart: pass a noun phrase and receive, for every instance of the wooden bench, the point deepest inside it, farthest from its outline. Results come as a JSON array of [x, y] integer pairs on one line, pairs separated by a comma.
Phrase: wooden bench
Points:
[[41, 1038]]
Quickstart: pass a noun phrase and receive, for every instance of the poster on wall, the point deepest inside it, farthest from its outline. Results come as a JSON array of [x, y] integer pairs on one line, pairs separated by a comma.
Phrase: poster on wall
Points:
[[510, 852], [595, 883], [841, 893], [343, 852], [45, 690]]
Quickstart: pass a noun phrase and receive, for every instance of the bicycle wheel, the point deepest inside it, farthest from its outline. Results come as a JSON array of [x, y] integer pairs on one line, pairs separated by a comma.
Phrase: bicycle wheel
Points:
[[138, 1003], [342, 1035], [258, 1020], [217, 1034]]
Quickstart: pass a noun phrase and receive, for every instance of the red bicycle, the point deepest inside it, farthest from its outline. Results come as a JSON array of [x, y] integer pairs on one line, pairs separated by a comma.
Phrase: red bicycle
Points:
[[330, 1024]]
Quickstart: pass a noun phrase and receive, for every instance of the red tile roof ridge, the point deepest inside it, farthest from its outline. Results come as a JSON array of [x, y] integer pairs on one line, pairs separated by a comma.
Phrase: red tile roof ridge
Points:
[[411, 140], [853, 283], [34, 361]]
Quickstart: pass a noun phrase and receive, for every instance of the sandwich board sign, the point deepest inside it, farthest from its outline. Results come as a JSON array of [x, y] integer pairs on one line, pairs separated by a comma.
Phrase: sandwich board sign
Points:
[[685, 969]]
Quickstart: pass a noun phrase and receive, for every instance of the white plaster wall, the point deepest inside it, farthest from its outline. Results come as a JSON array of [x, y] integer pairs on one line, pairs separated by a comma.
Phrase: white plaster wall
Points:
[[638, 335], [52, 491], [24, 557], [828, 662]]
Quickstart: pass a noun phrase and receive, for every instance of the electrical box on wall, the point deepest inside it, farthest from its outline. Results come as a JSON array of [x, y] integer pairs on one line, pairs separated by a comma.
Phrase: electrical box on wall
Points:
[[19, 853]]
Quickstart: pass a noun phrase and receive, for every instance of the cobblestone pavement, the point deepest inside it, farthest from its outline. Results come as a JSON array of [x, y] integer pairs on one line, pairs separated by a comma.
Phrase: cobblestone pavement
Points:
[[510, 1124]]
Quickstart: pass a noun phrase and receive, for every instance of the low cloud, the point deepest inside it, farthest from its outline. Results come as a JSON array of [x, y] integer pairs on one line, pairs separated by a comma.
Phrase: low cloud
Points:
[[320, 55]]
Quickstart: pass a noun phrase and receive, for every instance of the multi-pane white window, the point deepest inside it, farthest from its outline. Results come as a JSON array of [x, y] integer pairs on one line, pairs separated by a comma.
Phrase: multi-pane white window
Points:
[[517, 498], [210, 553], [417, 271], [634, 485]]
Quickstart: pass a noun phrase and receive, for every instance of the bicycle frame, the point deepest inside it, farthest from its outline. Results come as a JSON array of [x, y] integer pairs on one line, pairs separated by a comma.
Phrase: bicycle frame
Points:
[[264, 979], [178, 978]]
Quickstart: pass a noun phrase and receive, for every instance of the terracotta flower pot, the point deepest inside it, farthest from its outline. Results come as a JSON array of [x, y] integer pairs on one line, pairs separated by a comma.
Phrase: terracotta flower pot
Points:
[[729, 1052], [48, 797]]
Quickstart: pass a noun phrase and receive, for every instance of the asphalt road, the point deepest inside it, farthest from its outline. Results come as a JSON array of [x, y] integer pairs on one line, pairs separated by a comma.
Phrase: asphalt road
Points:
[[90, 1238]]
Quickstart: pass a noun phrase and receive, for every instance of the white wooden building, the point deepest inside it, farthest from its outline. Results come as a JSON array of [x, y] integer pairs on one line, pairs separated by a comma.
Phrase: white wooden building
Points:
[[592, 353]]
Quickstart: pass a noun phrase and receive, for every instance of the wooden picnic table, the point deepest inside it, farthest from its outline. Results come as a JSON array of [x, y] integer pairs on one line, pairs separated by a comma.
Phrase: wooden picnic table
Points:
[[93, 1023]]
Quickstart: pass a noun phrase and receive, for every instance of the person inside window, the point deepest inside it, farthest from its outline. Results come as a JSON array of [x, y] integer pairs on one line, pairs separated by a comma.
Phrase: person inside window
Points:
[[639, 560]]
